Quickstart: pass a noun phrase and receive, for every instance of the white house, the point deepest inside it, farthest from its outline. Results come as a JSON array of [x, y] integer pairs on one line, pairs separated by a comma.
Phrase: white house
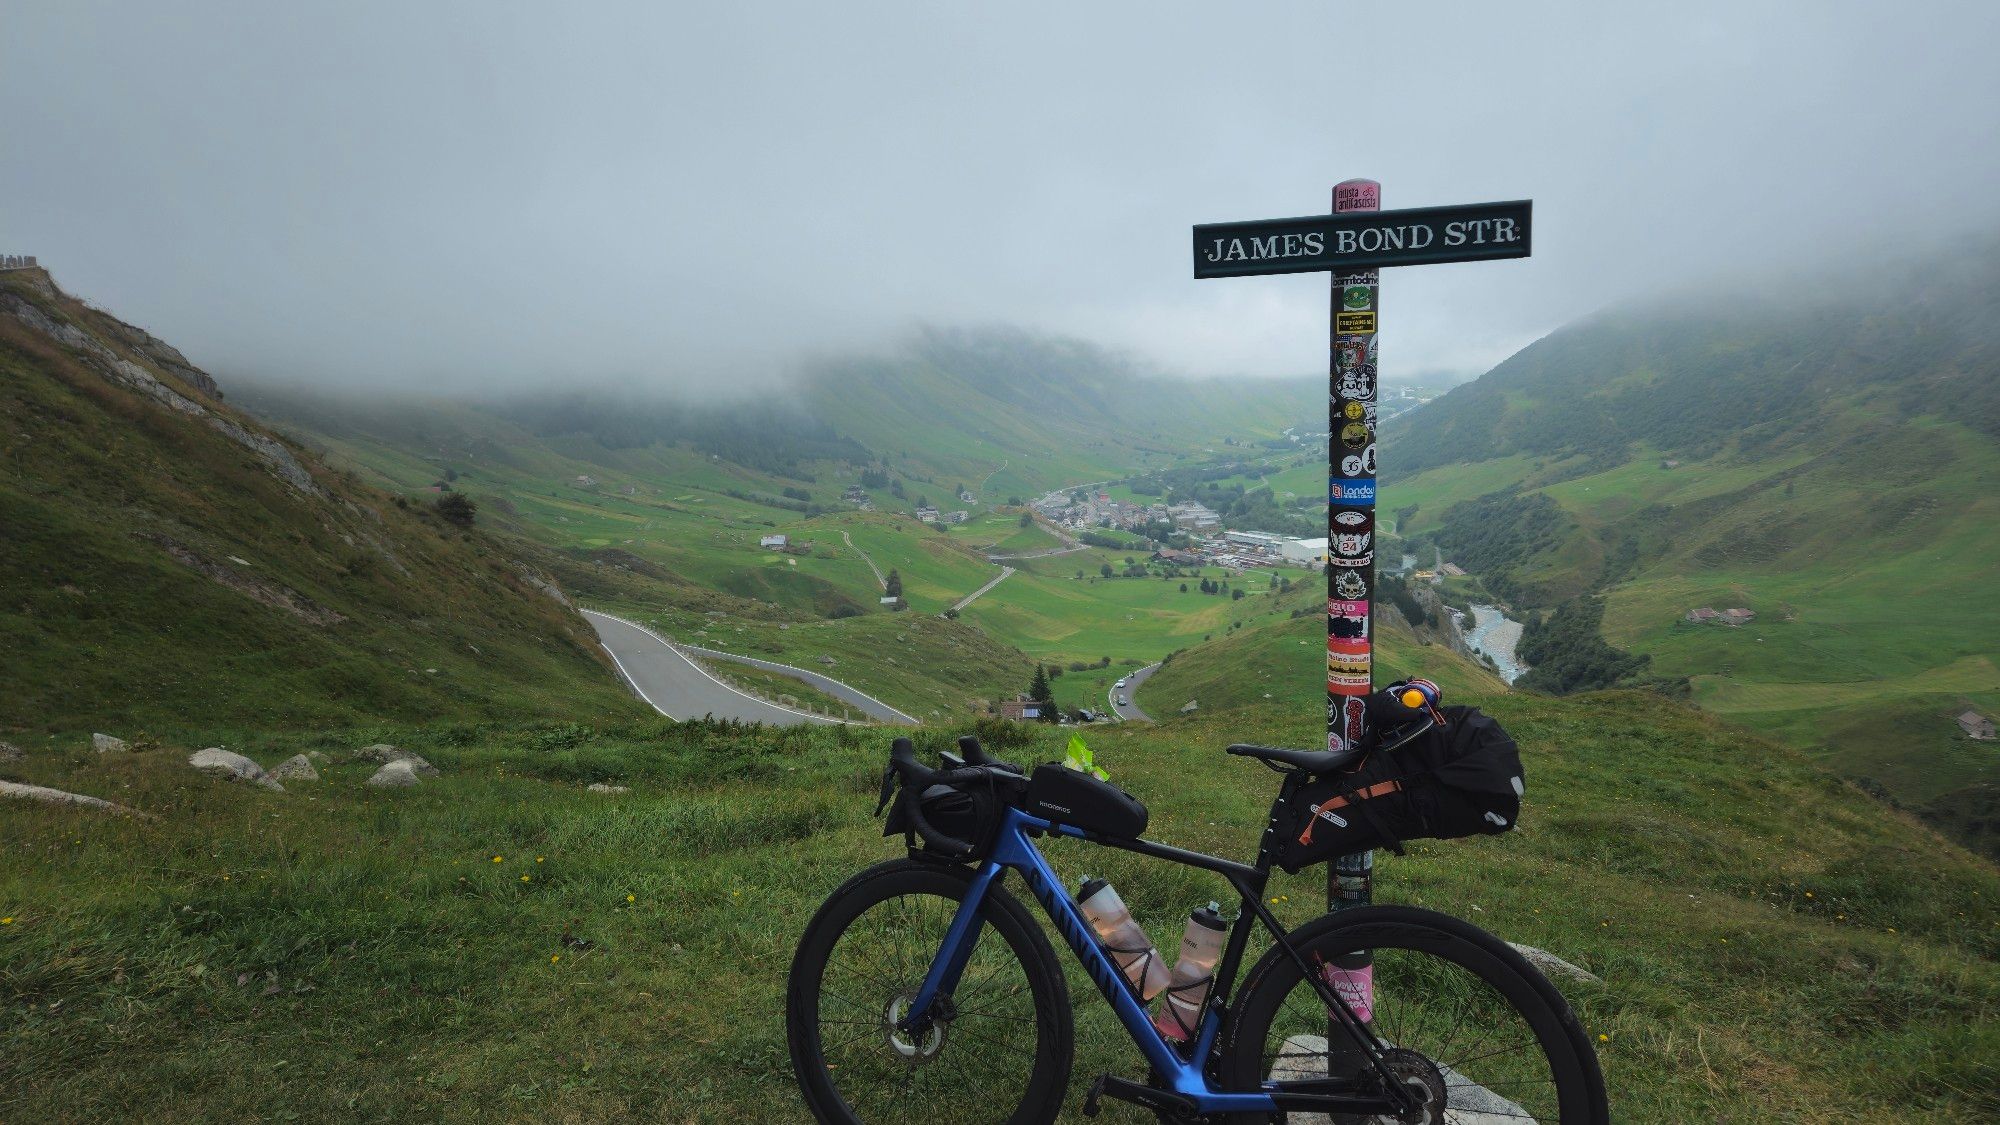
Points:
[[774, 542]]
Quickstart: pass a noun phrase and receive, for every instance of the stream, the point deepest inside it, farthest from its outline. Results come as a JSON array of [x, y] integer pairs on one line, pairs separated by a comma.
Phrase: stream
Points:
[[1495, 634]]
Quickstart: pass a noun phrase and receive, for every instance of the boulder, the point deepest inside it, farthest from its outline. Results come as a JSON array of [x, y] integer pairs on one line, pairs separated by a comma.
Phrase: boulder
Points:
[[105, 744], [385, 753], [602, 787], [1554, 966], [399, 774], [58, 797], [11, 753], [230, 766], [298, 767]]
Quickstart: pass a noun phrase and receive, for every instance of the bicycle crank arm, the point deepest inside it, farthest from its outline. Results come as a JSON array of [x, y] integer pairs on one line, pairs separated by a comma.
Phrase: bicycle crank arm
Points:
[[1148, 1097]]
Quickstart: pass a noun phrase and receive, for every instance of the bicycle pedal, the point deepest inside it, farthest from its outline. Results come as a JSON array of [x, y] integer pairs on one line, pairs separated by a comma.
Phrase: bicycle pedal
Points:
[[1093, 1102], [1146, 1097]]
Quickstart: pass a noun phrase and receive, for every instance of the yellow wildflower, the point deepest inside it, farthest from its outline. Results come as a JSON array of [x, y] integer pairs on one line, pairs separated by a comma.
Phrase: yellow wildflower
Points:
[[499, 859], [628, 898], [8, 921], [527, 878], [554, 957]]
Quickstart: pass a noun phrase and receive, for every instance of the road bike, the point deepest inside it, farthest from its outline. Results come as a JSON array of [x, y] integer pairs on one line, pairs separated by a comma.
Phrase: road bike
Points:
[[924, 991]]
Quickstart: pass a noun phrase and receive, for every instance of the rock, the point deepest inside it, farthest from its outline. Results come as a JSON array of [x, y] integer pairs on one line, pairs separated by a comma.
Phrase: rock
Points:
[[1554, 966], [298, 767], [385, 753], [105, 744], [601, 787], [58, 797], [399, 774], [1303, 1057], [11, 753], [217, 762]]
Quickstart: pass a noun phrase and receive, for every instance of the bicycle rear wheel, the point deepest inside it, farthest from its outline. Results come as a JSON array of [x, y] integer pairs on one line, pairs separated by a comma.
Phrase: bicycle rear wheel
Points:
[[1000, 1048], [1470, 1026]]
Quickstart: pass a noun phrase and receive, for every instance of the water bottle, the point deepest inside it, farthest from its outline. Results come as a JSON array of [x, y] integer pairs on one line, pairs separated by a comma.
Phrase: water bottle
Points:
[[1122, 937], [1194, 973]]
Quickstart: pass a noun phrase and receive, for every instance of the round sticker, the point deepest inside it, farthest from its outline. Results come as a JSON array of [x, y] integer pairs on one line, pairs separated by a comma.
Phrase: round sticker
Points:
[[1356, 297], [1354, 411], [1354, 435]]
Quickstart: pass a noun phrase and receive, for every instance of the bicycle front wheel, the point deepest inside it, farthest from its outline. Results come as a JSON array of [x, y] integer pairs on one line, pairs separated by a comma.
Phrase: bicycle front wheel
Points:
[[1000, 1047], [1469, 1026]]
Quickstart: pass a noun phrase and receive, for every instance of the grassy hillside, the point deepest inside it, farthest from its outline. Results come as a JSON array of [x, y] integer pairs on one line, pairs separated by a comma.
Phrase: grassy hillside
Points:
[[1829, 461], [168, 563], [501, 944], [1278, 666]]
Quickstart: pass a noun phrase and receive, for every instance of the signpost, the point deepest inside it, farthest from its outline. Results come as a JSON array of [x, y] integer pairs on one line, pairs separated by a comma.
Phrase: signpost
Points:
[[1354, 244]]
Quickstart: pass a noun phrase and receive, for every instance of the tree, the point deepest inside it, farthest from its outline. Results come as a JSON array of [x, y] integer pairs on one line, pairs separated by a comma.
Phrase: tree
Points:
[[1183, 587], [1236, 595], [456, 508], [1105, 570], [1027, 519], [1040, 692], [893, 585]]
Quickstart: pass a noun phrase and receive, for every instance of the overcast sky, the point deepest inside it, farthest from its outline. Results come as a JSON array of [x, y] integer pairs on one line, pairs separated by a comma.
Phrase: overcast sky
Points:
[[490, 194]]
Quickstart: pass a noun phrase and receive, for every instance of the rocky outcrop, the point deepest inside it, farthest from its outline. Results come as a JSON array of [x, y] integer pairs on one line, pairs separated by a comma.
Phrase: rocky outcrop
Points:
[[399, 774], [250, 586], [604, 787], [298, 767], [105, 744], [120, 370], [11, 753], [390, 755], [230, 766]]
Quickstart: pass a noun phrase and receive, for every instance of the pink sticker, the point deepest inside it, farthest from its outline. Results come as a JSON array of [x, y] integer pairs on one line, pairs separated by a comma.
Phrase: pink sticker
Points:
[[1357, 195], [1356, 987]]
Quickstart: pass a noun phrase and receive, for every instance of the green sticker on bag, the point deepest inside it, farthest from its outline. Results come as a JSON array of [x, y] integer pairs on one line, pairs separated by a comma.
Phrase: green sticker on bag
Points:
[[1079, 759]]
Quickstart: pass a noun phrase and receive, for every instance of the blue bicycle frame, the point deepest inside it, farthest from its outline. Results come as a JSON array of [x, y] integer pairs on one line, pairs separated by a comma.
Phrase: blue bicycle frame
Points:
[[1183, 1076]]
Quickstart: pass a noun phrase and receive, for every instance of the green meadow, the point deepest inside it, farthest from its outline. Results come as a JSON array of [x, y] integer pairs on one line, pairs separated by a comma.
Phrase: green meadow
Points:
[[501, 944]]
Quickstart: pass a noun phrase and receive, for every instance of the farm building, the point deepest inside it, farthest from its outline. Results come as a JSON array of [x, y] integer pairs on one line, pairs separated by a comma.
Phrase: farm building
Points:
[[774, 542], [1976, 725]]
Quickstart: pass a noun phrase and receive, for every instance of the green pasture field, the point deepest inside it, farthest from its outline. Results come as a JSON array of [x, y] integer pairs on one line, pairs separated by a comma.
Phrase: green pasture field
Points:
[[1050, 614], [499, 944], [1435, 490]]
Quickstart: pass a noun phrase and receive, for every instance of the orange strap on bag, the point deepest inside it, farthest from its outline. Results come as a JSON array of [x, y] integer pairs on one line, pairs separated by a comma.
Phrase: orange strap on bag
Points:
[[1320, 811]]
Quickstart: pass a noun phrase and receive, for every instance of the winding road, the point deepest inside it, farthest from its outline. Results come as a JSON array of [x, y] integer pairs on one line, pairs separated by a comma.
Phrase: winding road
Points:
[[676, 686], [1131, 691]]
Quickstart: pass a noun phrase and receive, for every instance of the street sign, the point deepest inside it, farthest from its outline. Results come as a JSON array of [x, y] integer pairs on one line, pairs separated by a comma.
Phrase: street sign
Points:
[[1353, 244], [1364, 240]]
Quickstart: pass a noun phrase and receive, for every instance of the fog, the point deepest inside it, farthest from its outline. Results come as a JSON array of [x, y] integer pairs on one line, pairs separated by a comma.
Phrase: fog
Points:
[[488, 195]]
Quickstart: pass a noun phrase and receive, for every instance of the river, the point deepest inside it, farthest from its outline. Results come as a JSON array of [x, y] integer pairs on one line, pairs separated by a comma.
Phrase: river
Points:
[[1495, 634]]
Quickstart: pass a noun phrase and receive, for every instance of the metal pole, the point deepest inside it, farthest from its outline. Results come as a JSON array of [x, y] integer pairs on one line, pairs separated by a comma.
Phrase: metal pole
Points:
[[1350, 579], [1350, 522]]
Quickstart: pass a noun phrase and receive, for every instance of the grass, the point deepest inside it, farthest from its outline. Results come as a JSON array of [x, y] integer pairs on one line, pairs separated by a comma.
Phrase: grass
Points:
[[1774, 945], [148, 560]]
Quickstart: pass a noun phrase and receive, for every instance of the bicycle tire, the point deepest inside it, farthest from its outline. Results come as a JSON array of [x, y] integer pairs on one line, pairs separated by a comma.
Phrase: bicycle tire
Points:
[[1416, 942], [935, 890]]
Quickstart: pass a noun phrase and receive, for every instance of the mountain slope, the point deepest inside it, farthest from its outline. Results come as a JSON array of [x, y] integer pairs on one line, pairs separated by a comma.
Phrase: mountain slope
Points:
[[1829, 461], [169, 562]]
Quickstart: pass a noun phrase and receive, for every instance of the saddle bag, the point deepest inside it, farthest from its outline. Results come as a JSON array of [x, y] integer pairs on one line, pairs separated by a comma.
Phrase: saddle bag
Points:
[[1461, 779]]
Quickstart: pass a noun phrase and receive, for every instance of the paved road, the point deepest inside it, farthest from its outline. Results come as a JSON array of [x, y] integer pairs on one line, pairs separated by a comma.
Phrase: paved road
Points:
[[968, 599], [677, 687], [853, 697], [1131, 691]]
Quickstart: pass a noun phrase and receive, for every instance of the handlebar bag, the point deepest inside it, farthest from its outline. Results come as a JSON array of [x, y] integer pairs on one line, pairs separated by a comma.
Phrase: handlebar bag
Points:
[[969, 813], [1461, 779], [1073, 797]]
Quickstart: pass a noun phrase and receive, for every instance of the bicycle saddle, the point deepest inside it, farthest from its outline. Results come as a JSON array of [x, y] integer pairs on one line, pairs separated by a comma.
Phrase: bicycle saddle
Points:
[[1320, 762]]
